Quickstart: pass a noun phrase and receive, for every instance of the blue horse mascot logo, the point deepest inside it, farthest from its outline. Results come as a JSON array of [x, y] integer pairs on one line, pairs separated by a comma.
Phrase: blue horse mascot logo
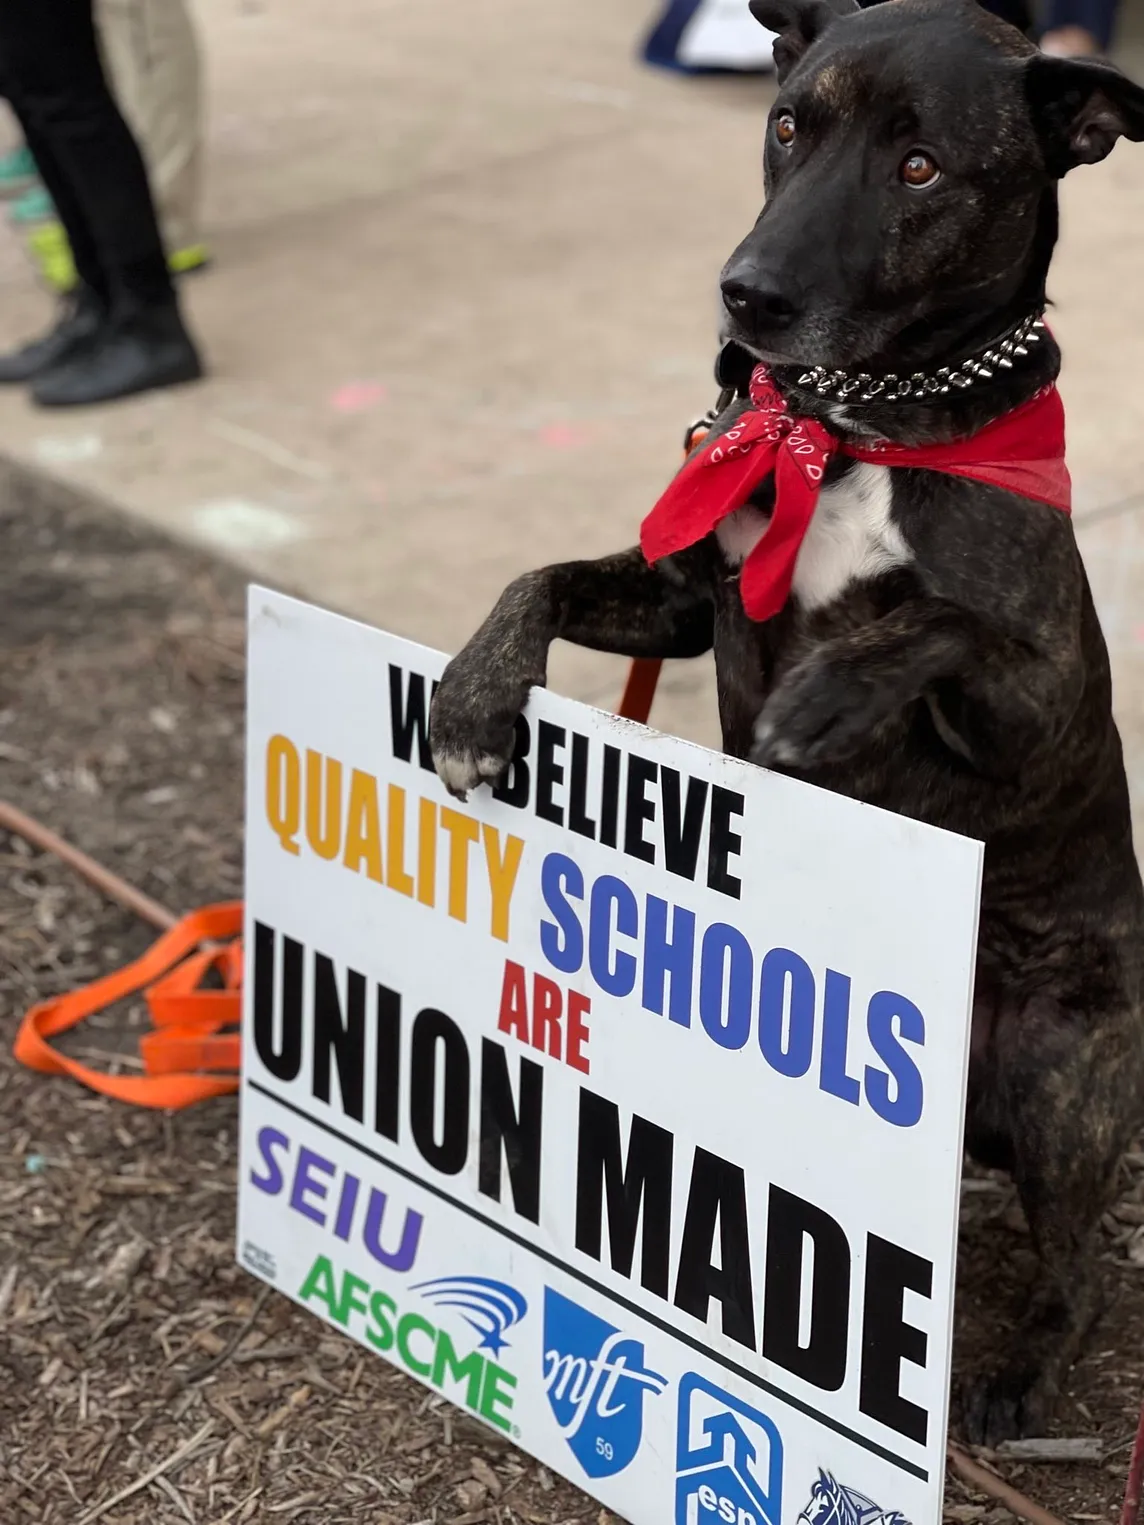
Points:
[[833, 1504]]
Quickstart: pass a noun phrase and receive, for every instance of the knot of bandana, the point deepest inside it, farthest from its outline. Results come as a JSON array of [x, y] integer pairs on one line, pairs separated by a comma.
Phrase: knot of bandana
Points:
[[1022, 452]]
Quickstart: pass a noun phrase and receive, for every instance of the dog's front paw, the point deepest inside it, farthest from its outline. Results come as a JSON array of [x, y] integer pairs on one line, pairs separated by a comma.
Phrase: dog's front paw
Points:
[[819, 713], [461, 769], [472, 722]]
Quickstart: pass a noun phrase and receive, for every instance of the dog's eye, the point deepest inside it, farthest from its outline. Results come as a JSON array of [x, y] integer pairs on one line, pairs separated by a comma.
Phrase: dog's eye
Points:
[[919, 171], [784, 128]]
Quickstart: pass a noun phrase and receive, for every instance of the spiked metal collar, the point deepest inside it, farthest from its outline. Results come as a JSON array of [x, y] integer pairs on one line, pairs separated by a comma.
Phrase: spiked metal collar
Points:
[[861, 386]]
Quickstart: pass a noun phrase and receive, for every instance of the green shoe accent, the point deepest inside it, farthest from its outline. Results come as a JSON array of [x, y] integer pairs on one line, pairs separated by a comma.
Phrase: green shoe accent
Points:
[[17, 171], [48, 237], [51, 252], [184, 261], [34, 205]]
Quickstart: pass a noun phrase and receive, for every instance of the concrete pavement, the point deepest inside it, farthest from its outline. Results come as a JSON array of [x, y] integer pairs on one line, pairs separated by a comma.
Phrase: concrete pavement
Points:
[[462, 305]]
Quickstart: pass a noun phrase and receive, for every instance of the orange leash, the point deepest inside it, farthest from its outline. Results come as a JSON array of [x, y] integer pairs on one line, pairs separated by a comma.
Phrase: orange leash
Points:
[[643, 674], [189, 1055], [639, 690]]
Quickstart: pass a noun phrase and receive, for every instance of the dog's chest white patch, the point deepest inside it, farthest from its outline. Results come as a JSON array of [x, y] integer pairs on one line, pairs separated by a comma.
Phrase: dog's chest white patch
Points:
[[851, 537]]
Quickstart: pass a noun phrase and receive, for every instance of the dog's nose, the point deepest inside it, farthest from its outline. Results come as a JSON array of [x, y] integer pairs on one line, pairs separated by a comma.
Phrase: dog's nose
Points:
[[760, 304]]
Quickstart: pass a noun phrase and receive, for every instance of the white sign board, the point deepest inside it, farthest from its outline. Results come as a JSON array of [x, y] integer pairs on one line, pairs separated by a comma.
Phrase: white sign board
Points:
[[624, 1109]]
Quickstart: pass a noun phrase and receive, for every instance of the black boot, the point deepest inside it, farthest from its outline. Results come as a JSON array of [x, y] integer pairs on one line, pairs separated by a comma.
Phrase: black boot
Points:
[[138, 348], [81, 316]]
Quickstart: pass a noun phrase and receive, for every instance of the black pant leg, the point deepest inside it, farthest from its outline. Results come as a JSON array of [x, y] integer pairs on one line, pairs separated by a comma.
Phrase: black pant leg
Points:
[[61, 96], [85, 255]]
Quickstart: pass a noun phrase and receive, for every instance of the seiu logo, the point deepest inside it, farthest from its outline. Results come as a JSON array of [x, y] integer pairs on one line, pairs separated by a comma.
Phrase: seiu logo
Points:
[[596, 1383], [728, 1459]]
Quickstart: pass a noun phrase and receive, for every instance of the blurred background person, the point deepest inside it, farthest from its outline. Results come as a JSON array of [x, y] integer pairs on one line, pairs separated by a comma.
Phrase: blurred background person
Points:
[[700, 36], [152, 60], [709, 36], [121, 330], [1075, 28]]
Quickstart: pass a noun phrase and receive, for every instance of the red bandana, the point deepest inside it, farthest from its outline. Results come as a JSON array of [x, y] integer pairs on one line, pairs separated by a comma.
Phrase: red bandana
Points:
[[1023, 452]]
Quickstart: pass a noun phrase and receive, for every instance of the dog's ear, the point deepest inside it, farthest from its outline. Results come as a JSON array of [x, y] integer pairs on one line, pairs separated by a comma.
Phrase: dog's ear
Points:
[[1080, 107], [797, 24]]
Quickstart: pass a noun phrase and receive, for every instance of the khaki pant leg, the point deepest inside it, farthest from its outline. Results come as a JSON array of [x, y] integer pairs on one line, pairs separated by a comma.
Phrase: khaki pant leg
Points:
[[151, 55]]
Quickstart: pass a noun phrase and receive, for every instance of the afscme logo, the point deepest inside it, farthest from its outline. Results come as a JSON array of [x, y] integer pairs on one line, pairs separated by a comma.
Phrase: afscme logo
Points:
[[489, 1307], [729, 1459]]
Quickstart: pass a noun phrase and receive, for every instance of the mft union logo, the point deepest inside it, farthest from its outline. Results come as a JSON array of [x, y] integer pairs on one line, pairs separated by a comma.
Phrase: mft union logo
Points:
[[596, 1383], [728, 1459]]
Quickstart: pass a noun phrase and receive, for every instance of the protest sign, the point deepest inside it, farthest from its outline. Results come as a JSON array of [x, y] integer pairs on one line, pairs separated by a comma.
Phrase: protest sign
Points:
[[622, 1106]]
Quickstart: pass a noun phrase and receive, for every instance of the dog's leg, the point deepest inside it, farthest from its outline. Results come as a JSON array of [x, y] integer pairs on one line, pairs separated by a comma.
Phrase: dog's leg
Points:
[[1013, 698], [1069, 1085], [617, 604]]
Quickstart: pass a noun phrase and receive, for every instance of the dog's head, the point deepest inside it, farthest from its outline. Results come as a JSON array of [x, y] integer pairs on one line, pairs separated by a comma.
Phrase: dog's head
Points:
[[911, 164]]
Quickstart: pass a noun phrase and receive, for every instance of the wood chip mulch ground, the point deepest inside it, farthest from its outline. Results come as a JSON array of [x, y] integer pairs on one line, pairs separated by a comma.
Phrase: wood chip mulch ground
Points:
[[144, 1378]]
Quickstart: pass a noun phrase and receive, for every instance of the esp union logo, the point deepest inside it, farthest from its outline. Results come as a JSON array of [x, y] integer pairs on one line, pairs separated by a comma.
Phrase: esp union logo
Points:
[[729, 1459]]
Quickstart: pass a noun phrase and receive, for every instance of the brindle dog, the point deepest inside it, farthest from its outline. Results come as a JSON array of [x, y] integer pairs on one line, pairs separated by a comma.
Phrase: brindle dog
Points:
[[940, 655]]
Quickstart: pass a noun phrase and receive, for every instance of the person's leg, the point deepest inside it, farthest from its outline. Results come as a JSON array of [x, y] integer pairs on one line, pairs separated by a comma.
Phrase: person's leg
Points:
[[53, 64], [85, 312], [52, 61], [152, 62], [88, 264], [151, 53]]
